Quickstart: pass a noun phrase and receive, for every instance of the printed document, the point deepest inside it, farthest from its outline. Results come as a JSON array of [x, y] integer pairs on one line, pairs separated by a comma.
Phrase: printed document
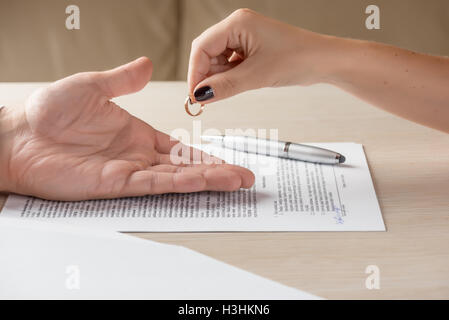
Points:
[[289, 195]]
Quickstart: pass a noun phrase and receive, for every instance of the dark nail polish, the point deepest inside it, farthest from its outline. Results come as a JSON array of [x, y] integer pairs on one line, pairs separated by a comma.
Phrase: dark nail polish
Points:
[[204, 93]]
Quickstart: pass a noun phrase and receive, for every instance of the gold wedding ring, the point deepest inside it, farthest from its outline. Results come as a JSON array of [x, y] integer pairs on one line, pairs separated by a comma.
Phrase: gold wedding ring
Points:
[[187, 105]]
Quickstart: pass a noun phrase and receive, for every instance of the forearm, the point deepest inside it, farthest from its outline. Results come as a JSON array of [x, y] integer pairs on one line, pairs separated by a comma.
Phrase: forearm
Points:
[[412, 85]]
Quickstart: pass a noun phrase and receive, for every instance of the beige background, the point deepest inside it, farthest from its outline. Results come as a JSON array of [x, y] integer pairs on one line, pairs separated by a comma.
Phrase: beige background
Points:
[[36, 46]]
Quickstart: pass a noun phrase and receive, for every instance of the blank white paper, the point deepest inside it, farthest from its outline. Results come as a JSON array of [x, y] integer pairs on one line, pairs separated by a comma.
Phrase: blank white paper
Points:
[[39, 260], [289, 195]]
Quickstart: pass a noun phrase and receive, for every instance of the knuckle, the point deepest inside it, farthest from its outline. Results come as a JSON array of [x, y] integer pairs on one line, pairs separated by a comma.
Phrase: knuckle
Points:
[[196, 43], [152, 183], [114, 189], [87, 78], [243, 14]]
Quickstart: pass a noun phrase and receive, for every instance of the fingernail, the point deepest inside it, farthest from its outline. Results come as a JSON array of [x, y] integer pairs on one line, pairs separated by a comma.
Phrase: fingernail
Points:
[[204, 93]]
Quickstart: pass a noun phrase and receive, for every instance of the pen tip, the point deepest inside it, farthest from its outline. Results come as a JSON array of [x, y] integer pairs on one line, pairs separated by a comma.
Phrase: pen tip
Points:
[[341, 158]]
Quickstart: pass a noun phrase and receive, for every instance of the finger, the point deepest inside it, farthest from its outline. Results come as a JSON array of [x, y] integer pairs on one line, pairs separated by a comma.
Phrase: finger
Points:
[[222, 68], [126, 79], [199, 157], [165, 168], [223, 58], [211, 43], [237, 32], [227, 83], [150, 182], [246, 176], [219, 60], [220, 179], [196, 169]]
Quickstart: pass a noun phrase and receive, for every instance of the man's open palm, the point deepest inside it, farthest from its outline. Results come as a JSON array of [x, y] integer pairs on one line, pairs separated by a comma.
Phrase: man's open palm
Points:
[[78, 145]]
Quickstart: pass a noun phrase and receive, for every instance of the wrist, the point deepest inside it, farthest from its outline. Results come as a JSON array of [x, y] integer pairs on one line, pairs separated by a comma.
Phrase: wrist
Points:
[[315, 58], [337, 59], [12, 121]]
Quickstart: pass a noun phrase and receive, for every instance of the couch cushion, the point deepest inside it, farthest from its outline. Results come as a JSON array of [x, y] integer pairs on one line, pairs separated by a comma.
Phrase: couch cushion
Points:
[[414, 24], [36, 46]]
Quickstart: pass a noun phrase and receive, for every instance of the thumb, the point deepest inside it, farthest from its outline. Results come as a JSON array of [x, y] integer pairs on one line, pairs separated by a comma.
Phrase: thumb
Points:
[[225, 84], [128, 78]]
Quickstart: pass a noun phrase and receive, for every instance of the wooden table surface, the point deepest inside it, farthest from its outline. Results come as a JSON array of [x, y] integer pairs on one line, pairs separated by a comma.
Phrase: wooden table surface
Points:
[[410, 168]]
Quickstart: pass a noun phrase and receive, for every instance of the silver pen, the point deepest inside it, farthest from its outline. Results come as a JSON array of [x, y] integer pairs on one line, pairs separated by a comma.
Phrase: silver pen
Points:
[[274, 148]]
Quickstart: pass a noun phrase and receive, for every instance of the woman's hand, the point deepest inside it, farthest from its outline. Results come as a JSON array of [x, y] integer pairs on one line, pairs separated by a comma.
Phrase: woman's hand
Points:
[[249, 51], [70, 142]]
